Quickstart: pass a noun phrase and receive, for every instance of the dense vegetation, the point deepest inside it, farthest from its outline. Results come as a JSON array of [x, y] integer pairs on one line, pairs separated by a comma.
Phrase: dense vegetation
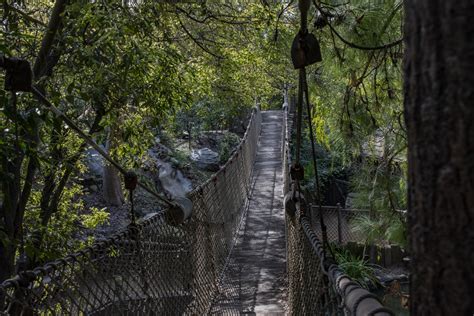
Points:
[[127, 71]]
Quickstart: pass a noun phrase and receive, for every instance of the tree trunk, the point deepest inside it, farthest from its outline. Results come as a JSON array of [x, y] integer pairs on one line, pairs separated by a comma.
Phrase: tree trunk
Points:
[[112, 188], [111, 184], [7, 262], [16, 193], [439, 114]]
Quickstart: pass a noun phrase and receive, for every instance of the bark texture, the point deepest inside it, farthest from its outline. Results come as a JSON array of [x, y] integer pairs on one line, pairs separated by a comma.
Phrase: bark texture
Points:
[[16, 192], [439, 114], [111, 184]]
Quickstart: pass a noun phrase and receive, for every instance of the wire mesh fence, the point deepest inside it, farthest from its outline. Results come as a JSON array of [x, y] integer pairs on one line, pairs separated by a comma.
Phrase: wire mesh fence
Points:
[[343, 224], [340, 223], [153, 267], [316, 284]]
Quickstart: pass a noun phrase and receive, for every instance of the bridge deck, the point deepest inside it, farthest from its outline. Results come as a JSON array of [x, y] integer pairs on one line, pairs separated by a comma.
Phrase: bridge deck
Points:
[[254, 282]]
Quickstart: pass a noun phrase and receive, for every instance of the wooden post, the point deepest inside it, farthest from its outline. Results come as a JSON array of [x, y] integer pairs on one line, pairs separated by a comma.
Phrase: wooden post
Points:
[[339, 229]]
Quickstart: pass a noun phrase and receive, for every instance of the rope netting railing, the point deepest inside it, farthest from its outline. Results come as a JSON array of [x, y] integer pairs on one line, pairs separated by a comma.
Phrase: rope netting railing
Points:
[[316, 284], [153, 267]]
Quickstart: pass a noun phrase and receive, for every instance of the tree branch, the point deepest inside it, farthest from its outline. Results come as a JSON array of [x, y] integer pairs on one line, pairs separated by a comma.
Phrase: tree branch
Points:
[[197, 42], [25, 15]]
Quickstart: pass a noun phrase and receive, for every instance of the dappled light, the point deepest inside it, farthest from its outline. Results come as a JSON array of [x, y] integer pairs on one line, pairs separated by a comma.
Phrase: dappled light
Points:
[[236, 157]]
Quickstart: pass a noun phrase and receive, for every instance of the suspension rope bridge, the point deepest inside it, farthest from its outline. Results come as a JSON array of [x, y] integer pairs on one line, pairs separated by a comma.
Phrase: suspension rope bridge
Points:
[[241, 243], [229, 257]]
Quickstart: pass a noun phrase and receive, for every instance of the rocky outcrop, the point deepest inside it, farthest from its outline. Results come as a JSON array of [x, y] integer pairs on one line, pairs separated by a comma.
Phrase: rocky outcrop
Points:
[[205, 159]]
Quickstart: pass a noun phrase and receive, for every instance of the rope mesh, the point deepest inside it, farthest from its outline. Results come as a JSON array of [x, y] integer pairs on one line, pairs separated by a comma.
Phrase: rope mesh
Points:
[[157, 268], [316, 284], [152, 267]]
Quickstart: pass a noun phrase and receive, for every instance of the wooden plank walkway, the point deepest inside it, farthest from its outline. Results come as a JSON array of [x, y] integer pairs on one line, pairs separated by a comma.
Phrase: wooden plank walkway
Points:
[[254, 282]]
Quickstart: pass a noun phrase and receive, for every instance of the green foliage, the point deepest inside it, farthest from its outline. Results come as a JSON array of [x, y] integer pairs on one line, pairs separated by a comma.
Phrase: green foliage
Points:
[[372, 229], [383, 227], [192, 66], [357, 115], [188, 121], [59, 236], [381, 188], [356, 268], [397, 232], [95, 218], [227, 146]]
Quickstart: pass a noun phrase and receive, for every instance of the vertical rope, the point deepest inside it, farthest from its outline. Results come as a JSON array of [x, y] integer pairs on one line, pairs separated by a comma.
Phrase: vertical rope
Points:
[[22, 261], [299, 117], [131, 180], [315, 165], [303, 6]]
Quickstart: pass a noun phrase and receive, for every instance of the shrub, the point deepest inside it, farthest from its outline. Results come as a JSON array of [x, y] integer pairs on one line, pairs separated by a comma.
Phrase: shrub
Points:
[[227, 146]]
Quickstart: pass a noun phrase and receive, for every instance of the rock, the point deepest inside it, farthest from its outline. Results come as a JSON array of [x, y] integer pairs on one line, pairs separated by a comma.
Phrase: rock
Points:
[[92, 178], [147, 216], [351, 196], [180, 211], [387, 276], [174, 162], [173, 181], [206, 159], [166, 175], [94, 163]]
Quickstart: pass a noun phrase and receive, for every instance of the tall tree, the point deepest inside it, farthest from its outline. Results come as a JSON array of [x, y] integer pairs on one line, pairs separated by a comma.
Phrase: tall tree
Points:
[[14, 191], [99, 61], [439, 72]]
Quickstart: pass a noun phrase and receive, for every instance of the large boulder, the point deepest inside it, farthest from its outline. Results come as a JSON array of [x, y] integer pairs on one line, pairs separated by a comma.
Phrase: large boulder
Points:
[[167, 176], [173, 181], [92, 178], [205, 159], [94, 163]]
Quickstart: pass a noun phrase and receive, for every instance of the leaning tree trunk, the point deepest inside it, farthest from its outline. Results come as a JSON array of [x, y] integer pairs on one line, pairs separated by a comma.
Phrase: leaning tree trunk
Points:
[[439, 114], [111, 184]]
